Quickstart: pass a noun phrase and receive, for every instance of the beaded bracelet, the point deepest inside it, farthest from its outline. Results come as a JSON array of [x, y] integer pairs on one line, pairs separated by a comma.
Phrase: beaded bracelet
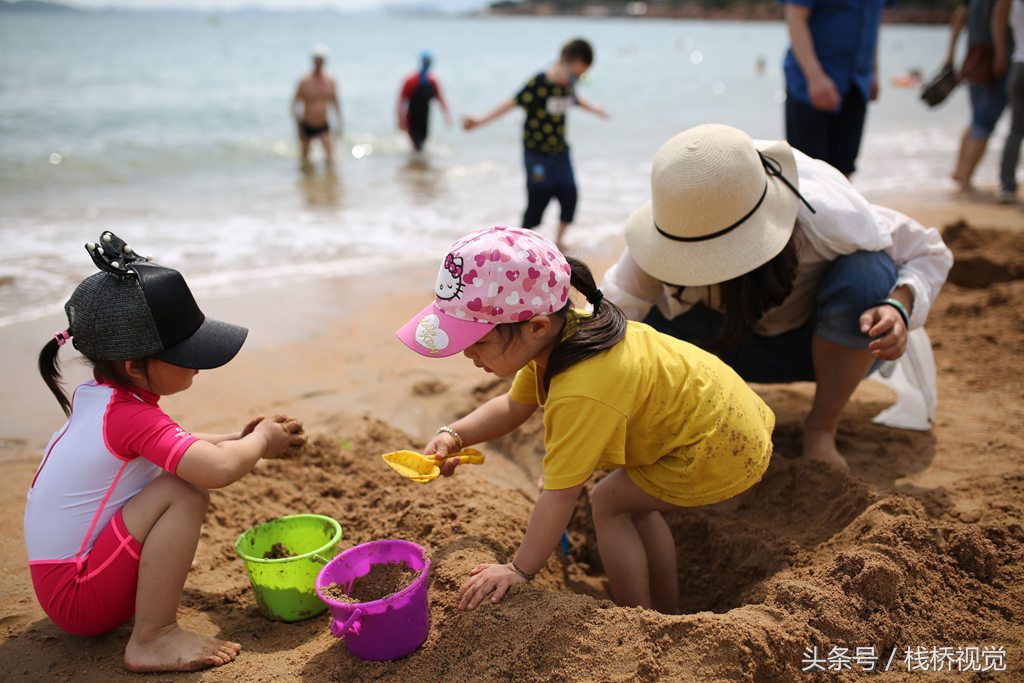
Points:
[[900, 308], [454, 434], [517, 570]]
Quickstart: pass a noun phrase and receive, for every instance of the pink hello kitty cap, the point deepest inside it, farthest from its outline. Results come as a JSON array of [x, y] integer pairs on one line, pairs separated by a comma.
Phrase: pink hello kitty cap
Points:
[[493, 276]]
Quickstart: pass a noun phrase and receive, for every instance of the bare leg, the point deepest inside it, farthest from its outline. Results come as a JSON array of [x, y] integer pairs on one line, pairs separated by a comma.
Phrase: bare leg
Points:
[[615, 502], [838, 369], [560, 235], [328, 142], [304, 144], [971, 152], [661, 560], [166, 517]]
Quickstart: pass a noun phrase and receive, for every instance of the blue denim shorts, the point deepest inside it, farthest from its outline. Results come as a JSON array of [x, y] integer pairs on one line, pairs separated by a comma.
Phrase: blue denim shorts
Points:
[[987, 104], [852, 284]]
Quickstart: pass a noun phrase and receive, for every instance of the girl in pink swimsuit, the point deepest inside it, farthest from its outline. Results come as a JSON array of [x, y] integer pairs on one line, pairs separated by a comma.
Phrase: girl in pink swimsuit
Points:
[[114, 512]]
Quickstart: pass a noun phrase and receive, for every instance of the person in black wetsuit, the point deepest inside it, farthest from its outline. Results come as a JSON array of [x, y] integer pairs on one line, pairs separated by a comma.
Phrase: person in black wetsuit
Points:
[[414, 102]]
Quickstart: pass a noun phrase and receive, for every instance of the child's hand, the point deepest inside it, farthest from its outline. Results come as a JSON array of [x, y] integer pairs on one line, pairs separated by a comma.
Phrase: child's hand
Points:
[[441, 446], [282, 434], [487, 579], [248, 429], [469, 123], [296, 434], [275, 435]]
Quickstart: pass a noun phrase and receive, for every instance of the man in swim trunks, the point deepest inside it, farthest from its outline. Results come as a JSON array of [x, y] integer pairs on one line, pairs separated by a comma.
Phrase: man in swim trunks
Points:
[[316, 93]]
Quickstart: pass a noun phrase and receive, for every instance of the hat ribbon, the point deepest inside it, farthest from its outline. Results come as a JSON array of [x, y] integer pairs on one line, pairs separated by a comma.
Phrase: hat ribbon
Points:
[[771, 168]]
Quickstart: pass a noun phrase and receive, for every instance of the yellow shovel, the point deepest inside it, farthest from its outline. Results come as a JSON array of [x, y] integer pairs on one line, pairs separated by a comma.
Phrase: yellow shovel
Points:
[[424, 468]]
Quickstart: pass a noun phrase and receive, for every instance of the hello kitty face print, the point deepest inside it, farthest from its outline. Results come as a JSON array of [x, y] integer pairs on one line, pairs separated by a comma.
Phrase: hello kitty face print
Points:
[[489, 277], [449, 279]]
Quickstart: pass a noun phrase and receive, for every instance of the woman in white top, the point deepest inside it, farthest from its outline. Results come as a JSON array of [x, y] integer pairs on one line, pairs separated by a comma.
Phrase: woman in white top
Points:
[[772, 260]]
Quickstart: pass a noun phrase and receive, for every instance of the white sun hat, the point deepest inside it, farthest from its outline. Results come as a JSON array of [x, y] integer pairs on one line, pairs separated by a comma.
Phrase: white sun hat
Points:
[[720, 207]]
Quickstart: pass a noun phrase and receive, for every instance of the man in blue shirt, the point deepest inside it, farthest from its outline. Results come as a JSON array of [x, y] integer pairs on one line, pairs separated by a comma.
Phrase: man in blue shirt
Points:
[[831, 74]]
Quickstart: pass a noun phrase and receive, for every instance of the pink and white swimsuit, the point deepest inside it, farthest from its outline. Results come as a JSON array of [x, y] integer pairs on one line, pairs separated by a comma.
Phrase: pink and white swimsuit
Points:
[[84, 562]]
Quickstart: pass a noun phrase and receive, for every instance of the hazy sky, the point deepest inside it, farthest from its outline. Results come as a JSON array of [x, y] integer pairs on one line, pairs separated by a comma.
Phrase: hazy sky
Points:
[[344, 5]]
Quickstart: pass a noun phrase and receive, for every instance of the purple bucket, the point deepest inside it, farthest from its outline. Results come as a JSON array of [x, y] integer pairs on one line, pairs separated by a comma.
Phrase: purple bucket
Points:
[[391, 627]]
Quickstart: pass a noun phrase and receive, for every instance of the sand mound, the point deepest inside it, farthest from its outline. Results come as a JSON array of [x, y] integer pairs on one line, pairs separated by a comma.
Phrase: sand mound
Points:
[[806, 558], [984, 257]]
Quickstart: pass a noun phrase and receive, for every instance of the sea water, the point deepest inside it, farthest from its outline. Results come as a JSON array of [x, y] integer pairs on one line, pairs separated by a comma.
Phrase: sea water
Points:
[[174, 131]]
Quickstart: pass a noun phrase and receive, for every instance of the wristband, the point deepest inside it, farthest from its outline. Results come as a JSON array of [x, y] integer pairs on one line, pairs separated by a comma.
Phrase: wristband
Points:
[[517, 570], [454, 434], [900, 308]]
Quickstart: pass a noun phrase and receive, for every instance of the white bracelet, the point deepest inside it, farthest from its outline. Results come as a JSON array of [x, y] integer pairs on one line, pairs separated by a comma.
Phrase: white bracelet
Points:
[[455, 435]]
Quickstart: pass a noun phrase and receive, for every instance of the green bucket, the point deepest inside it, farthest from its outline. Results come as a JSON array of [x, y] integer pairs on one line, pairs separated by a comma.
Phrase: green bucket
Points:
[[285, 588]]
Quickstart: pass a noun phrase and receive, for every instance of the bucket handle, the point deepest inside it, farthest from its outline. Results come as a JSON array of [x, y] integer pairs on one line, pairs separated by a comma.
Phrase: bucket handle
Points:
[[317, 557], [339, 629]]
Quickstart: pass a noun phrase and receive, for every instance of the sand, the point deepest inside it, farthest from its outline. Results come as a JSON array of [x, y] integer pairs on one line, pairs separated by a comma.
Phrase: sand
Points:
[[382, 580], [920, 546]]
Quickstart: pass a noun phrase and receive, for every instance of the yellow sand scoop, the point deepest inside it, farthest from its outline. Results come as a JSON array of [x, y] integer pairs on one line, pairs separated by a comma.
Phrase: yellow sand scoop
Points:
[[424, 468]]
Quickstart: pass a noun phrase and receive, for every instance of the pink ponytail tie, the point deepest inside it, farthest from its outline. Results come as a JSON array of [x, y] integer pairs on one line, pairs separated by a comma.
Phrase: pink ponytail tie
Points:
[[62, 337]]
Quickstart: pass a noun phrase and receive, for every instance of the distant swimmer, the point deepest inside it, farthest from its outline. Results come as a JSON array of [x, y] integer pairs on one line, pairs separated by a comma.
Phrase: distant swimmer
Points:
[[314, 96], [414, 102]]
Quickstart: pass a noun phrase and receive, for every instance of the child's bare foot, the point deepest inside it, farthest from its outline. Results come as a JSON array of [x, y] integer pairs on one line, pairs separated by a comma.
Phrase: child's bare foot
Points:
[[174, 649], [820, 445]]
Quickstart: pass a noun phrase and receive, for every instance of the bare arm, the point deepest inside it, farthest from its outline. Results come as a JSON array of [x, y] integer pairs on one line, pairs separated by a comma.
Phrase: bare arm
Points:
[[873, 95], [218, 438], [234, 436], [212, 466], [215, 465], [956, 26], [469, 123], [548, 521], [401, 108], [497, 417], [550, 516], [336, 104], [1001, 36], [592, 108], [820, 87], [442, 101], [298, 103]]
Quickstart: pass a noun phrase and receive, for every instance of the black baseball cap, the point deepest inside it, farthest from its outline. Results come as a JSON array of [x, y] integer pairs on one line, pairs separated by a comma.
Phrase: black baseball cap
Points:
[[135, 309]]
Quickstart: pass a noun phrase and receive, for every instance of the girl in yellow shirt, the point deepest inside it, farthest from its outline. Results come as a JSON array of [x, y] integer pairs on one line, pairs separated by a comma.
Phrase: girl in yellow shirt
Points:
[[676, 425]]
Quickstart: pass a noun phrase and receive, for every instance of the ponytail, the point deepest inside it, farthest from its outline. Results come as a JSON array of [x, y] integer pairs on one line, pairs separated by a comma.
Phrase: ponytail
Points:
[[590, 334], [49, 368]]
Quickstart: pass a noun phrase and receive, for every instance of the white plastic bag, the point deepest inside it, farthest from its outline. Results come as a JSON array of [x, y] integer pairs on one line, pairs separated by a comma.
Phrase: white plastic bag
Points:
[[912, 377]]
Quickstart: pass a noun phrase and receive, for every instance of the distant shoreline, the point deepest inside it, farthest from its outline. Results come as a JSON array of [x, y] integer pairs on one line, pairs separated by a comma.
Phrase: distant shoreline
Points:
[[770, 11], [736, 12]]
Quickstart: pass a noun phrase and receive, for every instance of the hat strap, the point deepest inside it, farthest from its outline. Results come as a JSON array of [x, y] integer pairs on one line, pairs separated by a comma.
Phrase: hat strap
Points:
[[774, 168], [771, 168], [701, 238]]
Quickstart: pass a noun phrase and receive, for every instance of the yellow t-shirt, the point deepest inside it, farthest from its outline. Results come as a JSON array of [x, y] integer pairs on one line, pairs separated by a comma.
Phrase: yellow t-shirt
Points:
[[686, 427]]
